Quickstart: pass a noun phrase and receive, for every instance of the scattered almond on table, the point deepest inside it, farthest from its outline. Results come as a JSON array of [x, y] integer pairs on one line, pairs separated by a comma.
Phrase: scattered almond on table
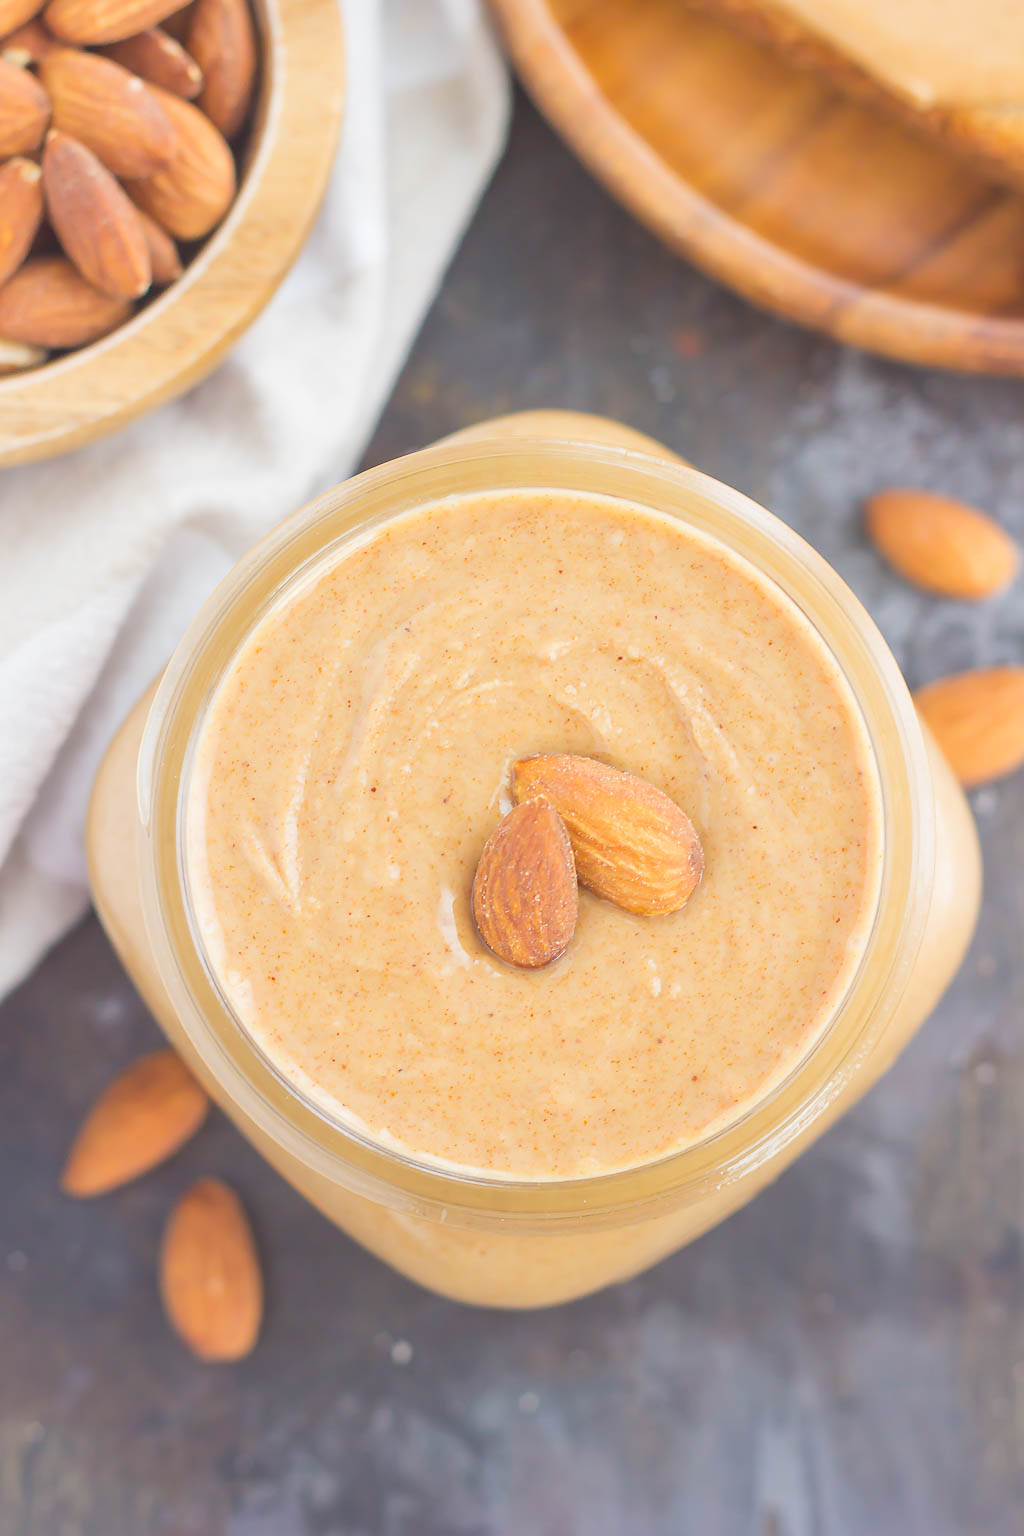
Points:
[[977, 718], [953, 550], [210, 1276], [210, 1279], [117, 120], [941, 545], [144, 1116]]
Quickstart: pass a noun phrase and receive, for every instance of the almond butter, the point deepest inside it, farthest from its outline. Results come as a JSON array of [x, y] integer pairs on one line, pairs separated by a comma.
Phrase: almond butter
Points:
[[977, 718], [941, 545], [15, 13], [161, 60], [146, 1113], [16, 356], [104, 21], [524, 893], [48, 303], [222, 40], [21, 212], [27, 44], [632, 844], [109, 110], [24, 110], [195, 190], [95, 222], [210, 1278], [164, 260]]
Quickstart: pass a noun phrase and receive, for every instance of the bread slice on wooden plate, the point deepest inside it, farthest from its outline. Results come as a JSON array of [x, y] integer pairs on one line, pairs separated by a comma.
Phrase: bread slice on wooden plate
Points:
[[988, 132]]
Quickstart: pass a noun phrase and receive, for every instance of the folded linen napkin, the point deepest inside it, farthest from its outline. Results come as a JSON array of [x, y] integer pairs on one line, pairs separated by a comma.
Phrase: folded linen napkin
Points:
[[108, 552]]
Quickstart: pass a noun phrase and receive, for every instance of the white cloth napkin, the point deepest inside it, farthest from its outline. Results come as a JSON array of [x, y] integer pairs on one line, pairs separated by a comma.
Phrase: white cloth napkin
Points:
[[108, 552]]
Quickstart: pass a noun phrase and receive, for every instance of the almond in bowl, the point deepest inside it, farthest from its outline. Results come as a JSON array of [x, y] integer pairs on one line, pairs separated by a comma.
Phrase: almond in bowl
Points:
[[217, 126], [119, 162]]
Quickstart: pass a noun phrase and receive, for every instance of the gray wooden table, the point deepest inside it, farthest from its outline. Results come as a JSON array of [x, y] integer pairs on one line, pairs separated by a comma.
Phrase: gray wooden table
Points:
[[844, 1357]]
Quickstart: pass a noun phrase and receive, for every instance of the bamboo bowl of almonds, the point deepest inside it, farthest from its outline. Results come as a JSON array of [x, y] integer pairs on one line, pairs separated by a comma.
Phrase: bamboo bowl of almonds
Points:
[[160, 167]]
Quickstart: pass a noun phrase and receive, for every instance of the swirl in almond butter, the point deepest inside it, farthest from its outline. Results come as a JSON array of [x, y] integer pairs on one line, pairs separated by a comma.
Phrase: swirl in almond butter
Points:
[[356, 758]]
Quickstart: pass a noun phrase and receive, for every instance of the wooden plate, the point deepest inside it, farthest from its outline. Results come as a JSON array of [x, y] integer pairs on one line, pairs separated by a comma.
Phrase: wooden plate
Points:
[[178, 338], [778, 186]]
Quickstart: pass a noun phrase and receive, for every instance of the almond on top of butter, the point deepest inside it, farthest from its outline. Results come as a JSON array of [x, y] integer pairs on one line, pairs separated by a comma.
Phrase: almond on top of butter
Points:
[[357, 756], [524, 895], [632, 844], [579, 819]]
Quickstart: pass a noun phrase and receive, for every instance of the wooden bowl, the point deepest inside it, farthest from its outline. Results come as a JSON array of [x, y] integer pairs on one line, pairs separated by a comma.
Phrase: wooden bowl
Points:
[[182, 334], [777, 185]]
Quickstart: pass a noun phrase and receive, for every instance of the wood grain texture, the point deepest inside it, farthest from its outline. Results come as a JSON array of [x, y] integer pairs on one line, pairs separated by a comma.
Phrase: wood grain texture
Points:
[[176, 340], [807, 203]]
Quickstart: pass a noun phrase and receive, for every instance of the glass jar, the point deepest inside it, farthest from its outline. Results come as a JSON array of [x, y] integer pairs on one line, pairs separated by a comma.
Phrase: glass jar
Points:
[[499, 1242]]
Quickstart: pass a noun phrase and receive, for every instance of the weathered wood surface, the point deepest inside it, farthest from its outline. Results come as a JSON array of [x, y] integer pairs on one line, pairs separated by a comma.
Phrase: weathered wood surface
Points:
[[843, 1358]]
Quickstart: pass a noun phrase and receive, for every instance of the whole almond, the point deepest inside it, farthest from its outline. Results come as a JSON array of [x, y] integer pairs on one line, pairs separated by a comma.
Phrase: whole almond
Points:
[[48, 303], [195, 190], [164, 260], [27, 44], [524, 892], [16, 356], [109, 110], [24, 110], [632, 844], [95, 222], [977, 718], [104, 21], [161, 60], [210, 1278], [14, 13], [941, 545], [21, 210], [146, 1113], [222, 40]]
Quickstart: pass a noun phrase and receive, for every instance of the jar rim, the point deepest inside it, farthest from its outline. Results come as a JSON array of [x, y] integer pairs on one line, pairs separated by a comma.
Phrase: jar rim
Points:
[[342, 1153]]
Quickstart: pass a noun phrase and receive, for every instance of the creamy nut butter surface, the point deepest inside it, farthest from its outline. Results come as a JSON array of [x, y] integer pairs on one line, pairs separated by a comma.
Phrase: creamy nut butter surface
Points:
[[355, 758]]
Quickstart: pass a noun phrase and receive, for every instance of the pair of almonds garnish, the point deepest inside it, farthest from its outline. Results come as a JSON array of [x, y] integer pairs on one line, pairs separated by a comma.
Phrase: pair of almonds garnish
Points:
[[579, 820], [941, 545], [977, 718]]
